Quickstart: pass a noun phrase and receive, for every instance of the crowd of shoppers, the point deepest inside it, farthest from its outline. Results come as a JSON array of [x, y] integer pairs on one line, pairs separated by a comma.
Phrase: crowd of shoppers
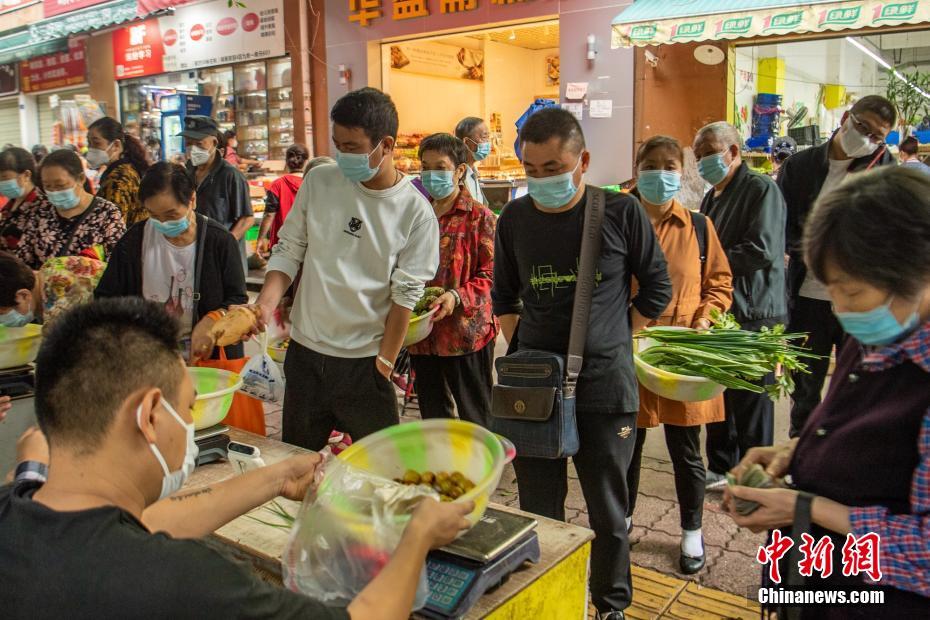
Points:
[[355, 241]]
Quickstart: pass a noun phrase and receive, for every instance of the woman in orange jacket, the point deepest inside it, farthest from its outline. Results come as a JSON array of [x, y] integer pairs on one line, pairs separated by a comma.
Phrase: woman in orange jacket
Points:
[[701, 282]]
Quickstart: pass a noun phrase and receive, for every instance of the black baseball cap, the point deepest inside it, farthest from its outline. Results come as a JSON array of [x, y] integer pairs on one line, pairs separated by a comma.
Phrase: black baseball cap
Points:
[[199, 127]]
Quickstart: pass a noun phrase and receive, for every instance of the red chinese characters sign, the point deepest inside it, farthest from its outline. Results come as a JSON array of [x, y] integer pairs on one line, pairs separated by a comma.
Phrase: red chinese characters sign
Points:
[[59, 7], [139, 49], [54, 70]]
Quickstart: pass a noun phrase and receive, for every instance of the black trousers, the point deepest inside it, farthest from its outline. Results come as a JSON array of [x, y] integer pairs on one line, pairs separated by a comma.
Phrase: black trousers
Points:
[[816, 318], [325, 393], [684, 446], [602, 462], [460, 380], [749, 422]]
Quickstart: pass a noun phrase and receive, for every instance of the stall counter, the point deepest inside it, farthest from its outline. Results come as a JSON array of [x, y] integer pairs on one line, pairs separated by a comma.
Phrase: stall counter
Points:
[[555, 587]]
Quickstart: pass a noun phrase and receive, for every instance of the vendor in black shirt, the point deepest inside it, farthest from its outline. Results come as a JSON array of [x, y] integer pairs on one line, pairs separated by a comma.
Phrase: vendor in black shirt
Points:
[[222, 191], [108, 536], [536, 257]]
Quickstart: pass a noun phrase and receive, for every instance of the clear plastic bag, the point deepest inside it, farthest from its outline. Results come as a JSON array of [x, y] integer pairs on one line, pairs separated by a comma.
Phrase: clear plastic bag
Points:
[[345, 535], [261, 376]]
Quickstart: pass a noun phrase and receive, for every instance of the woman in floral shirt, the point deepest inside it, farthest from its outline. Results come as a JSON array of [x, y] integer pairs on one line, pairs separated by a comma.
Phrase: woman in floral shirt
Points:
[[454, 363], [126, 162], [72, 220], [18, 194]]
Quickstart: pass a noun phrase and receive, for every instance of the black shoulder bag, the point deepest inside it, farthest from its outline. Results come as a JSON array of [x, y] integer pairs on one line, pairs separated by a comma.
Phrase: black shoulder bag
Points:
[[533, 403]]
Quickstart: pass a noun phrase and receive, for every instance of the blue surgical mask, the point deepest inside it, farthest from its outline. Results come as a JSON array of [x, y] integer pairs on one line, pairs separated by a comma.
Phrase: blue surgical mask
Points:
[[713, 169], [356, 166], [11, 188], [657, 187], [553, 192], [481, 153], [439, 183], [171, 228], [15, 318], [64, 199], [878, 326]]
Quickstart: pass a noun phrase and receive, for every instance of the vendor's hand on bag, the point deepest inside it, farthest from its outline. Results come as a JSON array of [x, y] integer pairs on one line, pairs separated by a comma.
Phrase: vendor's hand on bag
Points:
[[776, 507], [775, 459], [6, 403], [446, 303], [439, 523], [32, 446], [297, 475], [263, 248]]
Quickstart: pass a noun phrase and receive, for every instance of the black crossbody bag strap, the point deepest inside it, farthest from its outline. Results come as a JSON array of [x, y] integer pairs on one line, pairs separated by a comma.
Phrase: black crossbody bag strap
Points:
[[199, 252], [584, 286], [699, 222]]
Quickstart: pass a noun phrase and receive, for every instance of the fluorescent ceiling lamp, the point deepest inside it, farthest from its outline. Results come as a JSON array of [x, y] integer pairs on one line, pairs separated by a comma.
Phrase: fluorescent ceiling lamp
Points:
[[868, 52]]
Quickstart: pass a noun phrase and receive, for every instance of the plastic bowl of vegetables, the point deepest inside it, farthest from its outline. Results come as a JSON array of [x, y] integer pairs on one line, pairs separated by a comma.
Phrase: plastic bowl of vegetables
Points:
[[19, 345], [671, 385], [215, 391]]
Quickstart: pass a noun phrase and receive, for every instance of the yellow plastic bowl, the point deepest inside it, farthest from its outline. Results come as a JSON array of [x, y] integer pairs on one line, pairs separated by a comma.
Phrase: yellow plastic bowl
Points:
[[215, 391], [420, 328], [277, 351], [19, 345], [671, 385], [430, 445]]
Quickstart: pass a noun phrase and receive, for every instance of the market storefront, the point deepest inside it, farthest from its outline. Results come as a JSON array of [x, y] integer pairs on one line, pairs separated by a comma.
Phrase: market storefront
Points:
[[776, 67], [443, 60], [214, 60]]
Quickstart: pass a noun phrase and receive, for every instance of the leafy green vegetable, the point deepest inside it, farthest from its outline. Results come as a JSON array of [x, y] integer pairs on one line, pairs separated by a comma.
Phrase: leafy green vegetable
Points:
[[728, 355], [430, 294]]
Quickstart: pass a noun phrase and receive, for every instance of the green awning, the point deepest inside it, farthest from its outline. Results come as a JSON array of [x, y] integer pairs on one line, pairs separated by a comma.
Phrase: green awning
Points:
[[19, 46], [656, 22], [87, 20]]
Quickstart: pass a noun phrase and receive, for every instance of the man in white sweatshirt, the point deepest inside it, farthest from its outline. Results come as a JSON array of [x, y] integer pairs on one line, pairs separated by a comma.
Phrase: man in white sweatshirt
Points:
[[367, 241]]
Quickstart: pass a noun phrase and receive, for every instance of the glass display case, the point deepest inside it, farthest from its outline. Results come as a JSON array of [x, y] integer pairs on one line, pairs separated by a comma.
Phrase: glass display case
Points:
[[252, 110], [280, 108]]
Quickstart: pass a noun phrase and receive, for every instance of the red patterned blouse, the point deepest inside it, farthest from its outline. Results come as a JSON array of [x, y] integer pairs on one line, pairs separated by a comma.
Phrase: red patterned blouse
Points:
[[466, 264]]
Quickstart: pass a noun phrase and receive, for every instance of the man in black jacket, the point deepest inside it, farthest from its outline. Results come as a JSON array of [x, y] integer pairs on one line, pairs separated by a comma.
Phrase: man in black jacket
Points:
[[857, 145], [222, 191], [749, 214]]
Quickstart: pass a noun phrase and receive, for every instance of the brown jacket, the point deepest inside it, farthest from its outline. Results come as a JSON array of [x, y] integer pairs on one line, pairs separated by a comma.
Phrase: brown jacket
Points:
[[692, 299]]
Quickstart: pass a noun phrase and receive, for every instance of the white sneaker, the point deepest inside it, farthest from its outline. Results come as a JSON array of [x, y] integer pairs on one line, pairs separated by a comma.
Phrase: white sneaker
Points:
[[714, 481]]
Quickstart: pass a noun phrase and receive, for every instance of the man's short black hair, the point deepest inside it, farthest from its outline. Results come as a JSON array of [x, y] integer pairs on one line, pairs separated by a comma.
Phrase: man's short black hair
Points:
[[371, 110], [445, 144], [551, 123], [910, 146], [467, 126], [94, 357], [879, 106], [850, 228], [15, 275]]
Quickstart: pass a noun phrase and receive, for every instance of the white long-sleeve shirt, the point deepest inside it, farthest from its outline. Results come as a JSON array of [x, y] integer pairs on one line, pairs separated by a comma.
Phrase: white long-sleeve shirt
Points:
[[360, 250]]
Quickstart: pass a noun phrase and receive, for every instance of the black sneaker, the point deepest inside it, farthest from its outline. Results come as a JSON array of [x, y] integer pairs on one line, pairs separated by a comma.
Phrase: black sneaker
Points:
[[611, 615]]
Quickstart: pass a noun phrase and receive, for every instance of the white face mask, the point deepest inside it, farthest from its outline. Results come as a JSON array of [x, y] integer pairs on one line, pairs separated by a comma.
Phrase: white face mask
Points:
[[172, 481], [98, 157], [200, 156], [853, 143]]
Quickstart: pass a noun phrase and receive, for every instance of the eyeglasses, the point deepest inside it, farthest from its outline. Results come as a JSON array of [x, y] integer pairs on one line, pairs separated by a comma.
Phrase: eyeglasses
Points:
[[875, 138]]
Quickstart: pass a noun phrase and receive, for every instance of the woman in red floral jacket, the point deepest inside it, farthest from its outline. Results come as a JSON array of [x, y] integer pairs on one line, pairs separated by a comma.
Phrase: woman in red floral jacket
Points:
[[454, 364]]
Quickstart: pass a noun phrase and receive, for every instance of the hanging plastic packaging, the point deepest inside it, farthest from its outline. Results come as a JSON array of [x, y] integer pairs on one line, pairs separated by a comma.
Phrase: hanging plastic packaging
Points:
[[261, 376], [345, 535]]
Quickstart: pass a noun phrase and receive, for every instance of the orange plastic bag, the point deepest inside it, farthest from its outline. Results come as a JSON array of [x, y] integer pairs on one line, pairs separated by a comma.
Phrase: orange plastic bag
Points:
[[246, 413]]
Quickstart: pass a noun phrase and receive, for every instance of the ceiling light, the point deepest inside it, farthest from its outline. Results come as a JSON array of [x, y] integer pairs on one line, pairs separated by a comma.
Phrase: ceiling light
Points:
[[884, 63]]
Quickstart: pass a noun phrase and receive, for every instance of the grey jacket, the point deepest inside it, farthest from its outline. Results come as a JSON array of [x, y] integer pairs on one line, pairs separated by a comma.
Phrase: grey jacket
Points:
[[750, 219]]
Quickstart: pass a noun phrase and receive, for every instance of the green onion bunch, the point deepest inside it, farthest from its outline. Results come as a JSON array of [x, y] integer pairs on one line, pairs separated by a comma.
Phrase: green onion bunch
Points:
[[733, 357]]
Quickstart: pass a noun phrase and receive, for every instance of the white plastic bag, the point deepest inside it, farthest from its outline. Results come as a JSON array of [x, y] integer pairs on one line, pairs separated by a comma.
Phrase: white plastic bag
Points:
[[346, 533], [261, 376]]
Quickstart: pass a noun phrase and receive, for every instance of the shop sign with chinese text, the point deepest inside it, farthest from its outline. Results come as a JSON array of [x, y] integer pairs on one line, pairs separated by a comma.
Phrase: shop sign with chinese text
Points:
[[52, 71], [822, 17], [199, 36]]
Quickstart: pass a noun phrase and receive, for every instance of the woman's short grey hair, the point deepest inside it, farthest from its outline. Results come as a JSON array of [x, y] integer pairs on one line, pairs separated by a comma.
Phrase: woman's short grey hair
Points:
[[875, 227], [318, 161]]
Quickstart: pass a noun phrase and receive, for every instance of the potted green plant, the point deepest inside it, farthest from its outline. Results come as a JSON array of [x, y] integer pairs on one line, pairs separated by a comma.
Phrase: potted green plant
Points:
[[907, 92]]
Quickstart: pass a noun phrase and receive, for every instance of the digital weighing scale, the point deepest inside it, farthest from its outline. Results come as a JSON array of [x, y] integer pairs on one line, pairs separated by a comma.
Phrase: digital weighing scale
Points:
[[482, 559], [213, 443]]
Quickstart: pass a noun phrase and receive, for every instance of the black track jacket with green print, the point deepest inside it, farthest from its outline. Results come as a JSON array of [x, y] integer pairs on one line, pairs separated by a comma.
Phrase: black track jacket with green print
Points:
[[536, 257]]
